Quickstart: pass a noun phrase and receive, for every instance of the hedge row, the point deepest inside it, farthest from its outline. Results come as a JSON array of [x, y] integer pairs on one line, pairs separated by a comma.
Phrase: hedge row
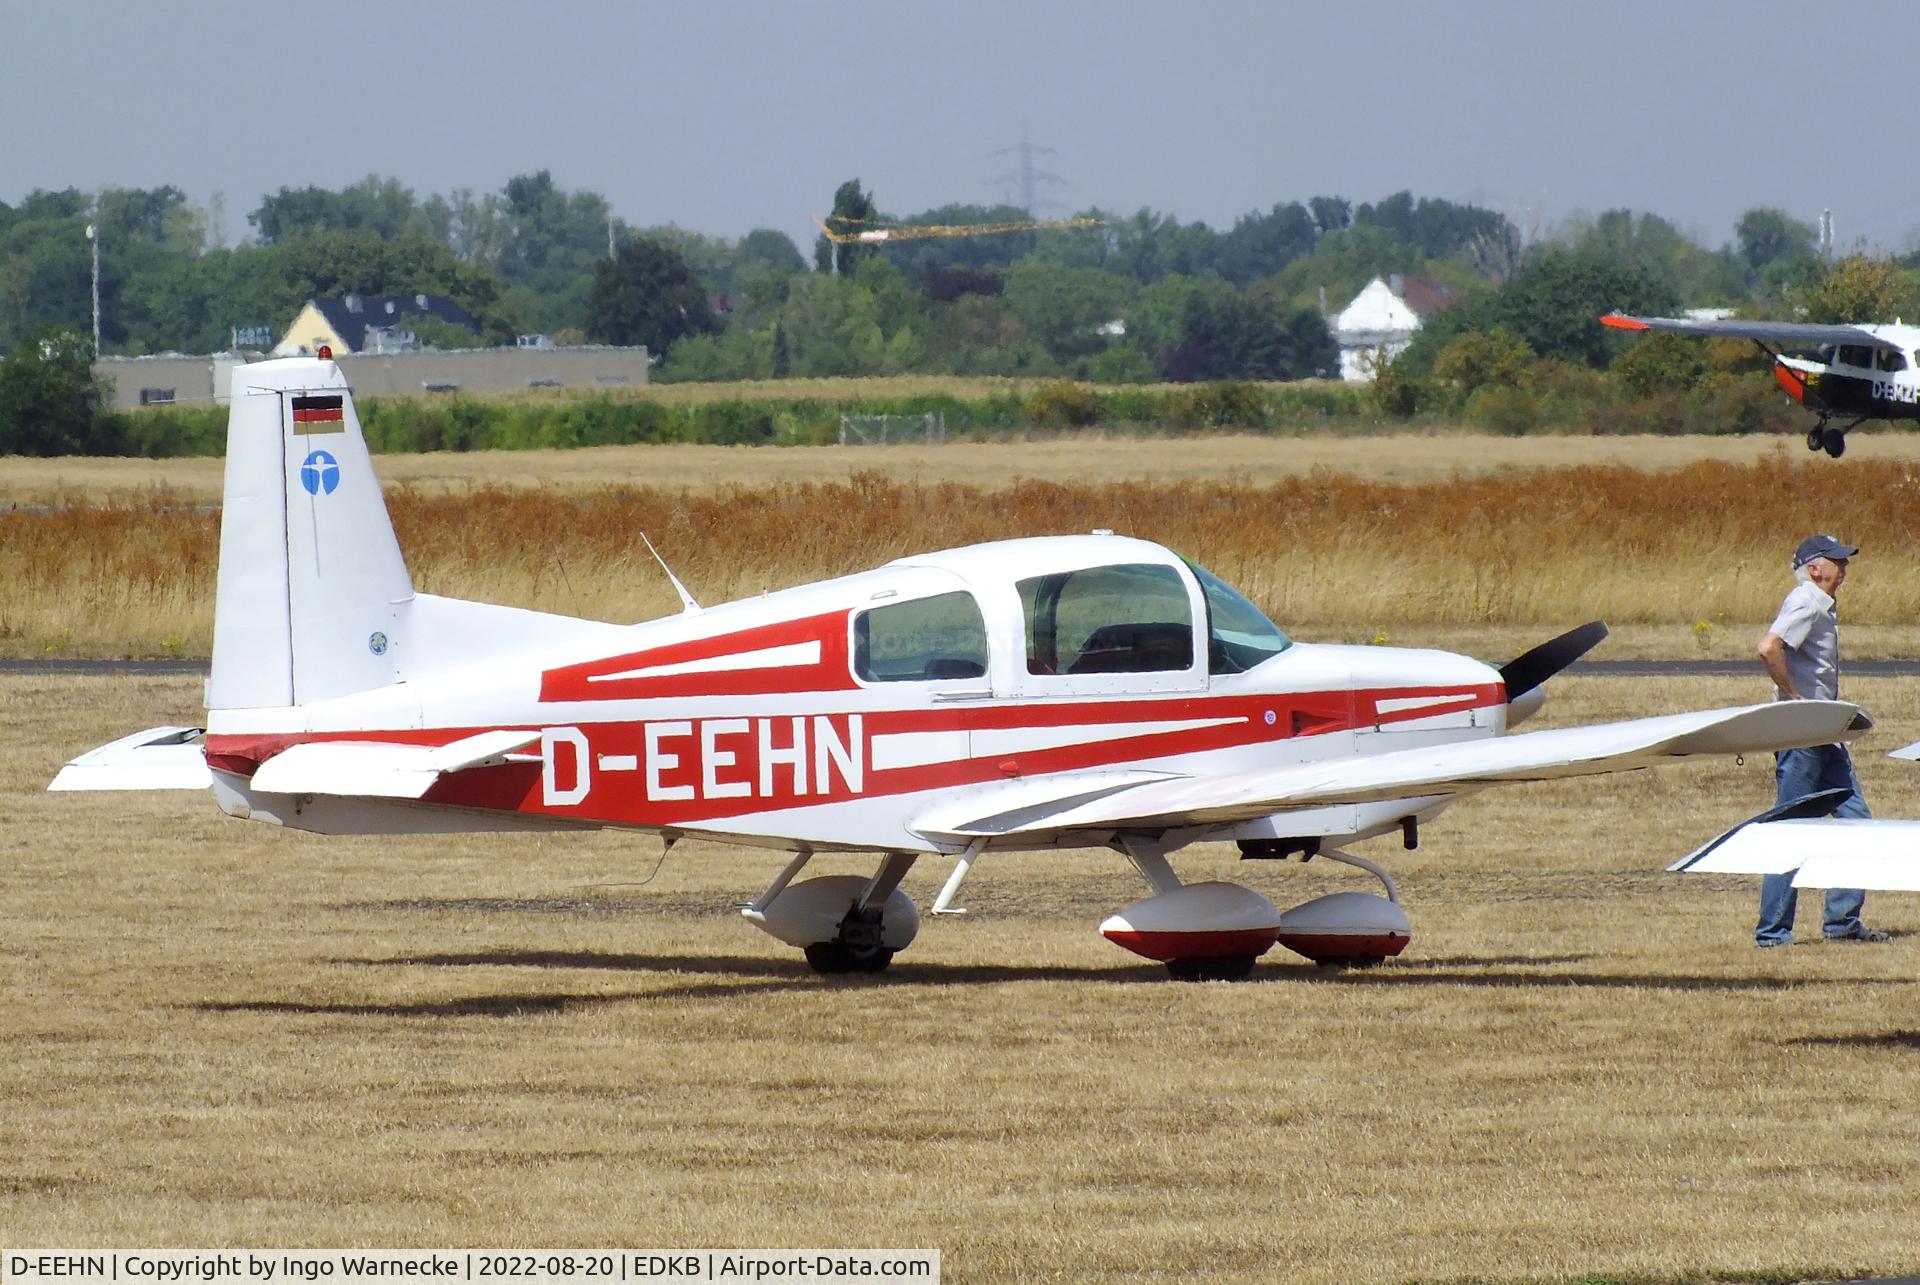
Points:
[[468, 424]]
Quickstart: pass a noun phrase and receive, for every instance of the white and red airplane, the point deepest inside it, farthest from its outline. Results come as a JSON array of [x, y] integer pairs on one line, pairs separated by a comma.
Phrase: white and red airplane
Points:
[[1024, 695], [1855, 372]]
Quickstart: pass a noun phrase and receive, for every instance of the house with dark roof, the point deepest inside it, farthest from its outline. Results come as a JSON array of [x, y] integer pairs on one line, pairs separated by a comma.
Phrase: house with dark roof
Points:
[[1382, 319], [365, 324]]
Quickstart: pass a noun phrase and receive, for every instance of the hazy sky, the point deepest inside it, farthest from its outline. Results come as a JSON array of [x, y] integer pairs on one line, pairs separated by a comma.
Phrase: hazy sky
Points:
[[724, 117]]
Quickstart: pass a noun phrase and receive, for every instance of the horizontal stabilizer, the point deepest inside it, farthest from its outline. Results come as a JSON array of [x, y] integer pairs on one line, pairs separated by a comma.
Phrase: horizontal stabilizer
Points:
[[381, 769], [160, 758], [1440, 769], [1909, 752]]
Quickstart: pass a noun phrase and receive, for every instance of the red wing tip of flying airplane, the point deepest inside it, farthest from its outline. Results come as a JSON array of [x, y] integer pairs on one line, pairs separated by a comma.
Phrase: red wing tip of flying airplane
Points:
[[1619, 322]]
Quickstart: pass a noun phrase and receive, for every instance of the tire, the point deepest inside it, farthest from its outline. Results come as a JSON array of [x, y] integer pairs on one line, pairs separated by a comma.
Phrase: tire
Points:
[[1816, 437], [833, 958], [1214, 968], [1836, 443]]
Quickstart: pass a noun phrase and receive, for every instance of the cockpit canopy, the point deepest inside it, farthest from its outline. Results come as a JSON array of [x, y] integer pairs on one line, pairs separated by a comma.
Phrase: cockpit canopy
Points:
[[1103, 606]]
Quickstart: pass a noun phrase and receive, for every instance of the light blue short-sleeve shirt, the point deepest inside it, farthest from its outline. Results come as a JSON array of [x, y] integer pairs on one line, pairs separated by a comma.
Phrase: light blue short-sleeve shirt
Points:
[[1810, 628]]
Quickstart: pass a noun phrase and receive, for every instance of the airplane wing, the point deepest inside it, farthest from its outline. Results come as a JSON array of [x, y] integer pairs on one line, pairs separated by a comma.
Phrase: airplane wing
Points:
[[1818, 850], [1788, 334], [1442, 769]]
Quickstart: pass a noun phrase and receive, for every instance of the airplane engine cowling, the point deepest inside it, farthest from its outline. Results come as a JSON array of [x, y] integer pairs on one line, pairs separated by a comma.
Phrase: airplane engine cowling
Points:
[[811, 911], [1346, 928], [1196, 921]]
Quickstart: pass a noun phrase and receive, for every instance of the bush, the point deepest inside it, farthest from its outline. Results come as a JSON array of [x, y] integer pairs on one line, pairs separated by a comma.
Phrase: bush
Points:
[[1475, 361], [50, 401], [1509, 411], [1063, 405]]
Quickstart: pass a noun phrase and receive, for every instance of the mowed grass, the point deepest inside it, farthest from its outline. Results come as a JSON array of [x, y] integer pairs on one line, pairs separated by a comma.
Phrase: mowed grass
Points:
[[225, 1034], [1688, 561]]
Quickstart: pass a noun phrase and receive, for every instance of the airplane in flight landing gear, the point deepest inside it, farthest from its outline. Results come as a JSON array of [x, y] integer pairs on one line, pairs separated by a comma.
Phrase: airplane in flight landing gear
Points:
[[1852, 373], [1022, 696]]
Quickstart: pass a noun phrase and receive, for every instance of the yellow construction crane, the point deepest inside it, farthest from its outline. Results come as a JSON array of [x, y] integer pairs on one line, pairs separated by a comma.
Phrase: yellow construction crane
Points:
[[919, 231]]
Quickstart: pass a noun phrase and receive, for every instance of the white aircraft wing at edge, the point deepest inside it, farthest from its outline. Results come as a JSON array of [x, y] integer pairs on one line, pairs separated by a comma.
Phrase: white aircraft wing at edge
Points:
[[1441, 769], [1823, 853]]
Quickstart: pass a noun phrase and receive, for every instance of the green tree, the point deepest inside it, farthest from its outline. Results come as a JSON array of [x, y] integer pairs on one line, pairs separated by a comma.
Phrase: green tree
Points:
[[1150, 246], [1475, 361], [553, 244], [1224, 334], [1660, 363], [1861, 289], [1553, 305], [1769, 236], [647, 295], [1654, 246], [50, 402], [1439, 229], [1064, 308], [380, 205], [1259, 245], [853, 212]]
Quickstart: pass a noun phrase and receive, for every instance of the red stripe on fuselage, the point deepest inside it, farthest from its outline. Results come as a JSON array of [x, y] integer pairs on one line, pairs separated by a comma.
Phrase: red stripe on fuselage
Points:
[[593, 680], [671, 780]]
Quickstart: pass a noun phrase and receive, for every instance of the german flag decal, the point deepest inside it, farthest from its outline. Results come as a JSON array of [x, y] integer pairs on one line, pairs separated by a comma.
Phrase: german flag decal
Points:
[[318, 415]]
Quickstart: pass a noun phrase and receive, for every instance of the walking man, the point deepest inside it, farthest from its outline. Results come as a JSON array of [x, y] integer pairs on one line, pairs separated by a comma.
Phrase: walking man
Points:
[[1801, 651]]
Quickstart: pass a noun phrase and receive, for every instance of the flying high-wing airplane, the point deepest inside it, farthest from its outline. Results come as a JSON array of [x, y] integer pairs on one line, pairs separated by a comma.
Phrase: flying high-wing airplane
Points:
[[1034, 694], [1855, 372]]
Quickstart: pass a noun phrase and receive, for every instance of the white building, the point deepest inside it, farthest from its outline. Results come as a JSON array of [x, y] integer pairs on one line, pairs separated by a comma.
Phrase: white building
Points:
[[1382, 319]]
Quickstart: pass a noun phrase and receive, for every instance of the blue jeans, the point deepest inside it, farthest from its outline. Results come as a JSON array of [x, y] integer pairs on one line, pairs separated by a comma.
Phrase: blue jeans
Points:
[[1797, 773]]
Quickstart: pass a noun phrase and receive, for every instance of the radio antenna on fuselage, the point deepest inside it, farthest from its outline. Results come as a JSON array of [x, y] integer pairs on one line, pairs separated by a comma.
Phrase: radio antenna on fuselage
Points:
[[687, 605]]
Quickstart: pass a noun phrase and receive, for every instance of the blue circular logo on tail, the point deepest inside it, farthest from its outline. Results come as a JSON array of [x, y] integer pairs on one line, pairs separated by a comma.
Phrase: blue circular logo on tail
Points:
[[320, 473]]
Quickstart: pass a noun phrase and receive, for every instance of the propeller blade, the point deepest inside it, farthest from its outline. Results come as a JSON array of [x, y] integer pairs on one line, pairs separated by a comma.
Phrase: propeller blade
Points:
[[1530, 669]]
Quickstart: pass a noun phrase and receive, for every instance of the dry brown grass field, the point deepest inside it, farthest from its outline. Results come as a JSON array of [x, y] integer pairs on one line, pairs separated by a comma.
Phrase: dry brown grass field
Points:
[[225, 1034], [1072, 458], [1686, 560]]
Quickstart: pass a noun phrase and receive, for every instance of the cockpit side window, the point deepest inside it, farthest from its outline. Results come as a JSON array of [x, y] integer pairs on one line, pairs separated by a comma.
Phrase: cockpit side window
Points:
[[1126, 619], [1856, 355], [926, 639], [1239, 635], [1889, 359]]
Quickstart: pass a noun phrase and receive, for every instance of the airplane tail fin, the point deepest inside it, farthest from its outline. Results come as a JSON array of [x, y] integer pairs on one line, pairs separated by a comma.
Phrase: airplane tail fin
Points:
[[312, 586]]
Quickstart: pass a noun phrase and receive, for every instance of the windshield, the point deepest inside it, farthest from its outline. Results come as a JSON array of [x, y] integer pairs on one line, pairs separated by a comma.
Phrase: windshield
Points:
[[1239, 634]]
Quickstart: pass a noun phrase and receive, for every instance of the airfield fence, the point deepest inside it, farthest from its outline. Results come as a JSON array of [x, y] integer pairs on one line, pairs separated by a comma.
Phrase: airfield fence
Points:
[[885, 430]]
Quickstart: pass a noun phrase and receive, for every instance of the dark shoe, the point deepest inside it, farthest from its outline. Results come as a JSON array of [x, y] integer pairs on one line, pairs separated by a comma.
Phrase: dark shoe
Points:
[[1863, 933]]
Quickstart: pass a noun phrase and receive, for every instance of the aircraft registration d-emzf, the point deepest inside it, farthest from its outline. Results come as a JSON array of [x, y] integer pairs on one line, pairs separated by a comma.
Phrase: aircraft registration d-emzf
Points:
[[1025, 695], [1857, 373]]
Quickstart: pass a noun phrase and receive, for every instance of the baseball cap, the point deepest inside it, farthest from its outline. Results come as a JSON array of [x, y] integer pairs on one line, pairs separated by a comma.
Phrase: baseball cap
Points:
[[1821, 546]]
